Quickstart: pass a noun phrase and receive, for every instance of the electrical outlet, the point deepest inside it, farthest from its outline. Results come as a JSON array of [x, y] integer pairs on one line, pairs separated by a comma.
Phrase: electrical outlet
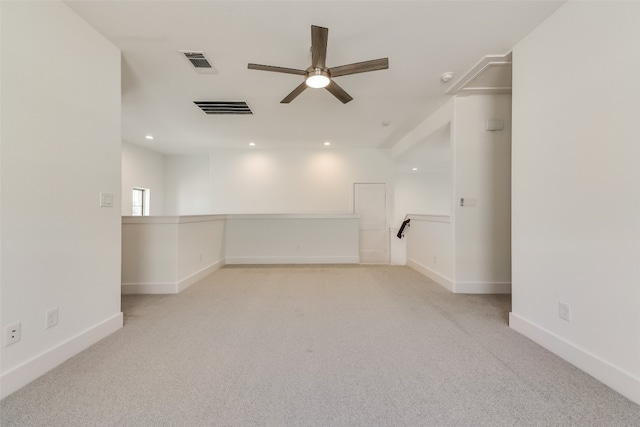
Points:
[[12, 334], [51, 318], [564, 311]]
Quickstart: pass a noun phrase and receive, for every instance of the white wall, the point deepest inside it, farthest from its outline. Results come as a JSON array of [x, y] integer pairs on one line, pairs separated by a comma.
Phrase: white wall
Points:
[[430, 248], [482, 172], [429, 189], [257, 181], [470, 252], [179, 184], [576, 210], [164, 255], [422, 192], [292, 239], [149, 251], [187, 185], [201, 242], [142, 168], [293, 181], [60, 150]]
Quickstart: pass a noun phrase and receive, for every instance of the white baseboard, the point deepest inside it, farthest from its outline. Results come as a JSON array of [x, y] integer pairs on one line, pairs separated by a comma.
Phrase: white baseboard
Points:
[[199, 275], [294, 260], [169, 288], [436, 277], [30, 370], [148, 288], [460, 288], [482, 288], [621, 381]]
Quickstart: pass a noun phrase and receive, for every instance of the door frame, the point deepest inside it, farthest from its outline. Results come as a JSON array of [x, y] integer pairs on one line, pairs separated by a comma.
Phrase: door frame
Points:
[[387, 258]]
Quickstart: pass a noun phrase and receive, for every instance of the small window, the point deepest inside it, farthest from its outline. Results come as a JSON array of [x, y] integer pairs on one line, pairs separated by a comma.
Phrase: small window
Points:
[[140, 202]]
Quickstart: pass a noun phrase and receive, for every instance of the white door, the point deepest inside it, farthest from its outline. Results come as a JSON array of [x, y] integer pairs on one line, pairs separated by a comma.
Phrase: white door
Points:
[[370, 202]]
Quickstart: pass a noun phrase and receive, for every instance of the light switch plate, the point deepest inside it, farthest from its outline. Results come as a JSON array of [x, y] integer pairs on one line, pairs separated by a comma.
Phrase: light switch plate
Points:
[[466, 202], [106, 200], [51, 318], [564, 311], [493, 124]]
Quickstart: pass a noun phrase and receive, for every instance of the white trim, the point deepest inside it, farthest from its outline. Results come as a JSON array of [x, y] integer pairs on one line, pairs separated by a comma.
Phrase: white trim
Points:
[[293, 216], [169, 288], [429, 218], [148, 288], [436, 277], [621, 381], [30, 370], [204, 218], [197, 276], [460, 288], [464, 84], [171, 219], [294, 260], [482, 288]]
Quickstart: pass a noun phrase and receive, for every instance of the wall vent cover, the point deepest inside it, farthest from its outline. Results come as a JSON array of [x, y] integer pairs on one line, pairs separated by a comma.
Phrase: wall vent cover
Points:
[[224, 107], [199, 62]]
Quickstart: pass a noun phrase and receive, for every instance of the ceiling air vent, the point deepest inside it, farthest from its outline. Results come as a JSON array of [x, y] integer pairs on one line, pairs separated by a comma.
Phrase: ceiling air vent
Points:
[[199, 62], [224, 107]]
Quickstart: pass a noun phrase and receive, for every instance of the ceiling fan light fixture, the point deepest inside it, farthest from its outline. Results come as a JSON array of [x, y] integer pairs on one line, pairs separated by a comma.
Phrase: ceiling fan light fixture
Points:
[[317, 78], [318, 75]]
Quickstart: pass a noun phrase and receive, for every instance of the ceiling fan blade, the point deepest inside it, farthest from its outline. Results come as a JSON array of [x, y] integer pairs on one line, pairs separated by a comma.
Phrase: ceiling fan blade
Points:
[[338, 92], [276, 69], [319, 36], [360, 67], [294, 93]]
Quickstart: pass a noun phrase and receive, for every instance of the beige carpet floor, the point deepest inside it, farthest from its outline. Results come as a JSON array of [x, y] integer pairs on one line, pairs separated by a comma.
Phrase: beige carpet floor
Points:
[[317, 346]]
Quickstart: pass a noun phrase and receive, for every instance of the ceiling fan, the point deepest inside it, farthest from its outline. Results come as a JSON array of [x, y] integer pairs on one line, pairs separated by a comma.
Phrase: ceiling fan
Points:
[[318, 75]]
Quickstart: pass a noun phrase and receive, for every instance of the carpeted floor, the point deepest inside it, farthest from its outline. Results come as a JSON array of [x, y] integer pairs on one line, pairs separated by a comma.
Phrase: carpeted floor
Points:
[[317, 346]]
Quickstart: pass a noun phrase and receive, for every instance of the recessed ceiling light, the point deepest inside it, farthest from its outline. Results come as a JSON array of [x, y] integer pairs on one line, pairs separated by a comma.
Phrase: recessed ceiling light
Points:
[[414, 169], [149, 137], [327, 143], [252, 144]]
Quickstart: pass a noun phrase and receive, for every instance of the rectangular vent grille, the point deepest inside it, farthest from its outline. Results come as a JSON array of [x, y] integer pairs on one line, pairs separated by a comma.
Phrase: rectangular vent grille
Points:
[[197, 59], [199, 62], [224, 107]]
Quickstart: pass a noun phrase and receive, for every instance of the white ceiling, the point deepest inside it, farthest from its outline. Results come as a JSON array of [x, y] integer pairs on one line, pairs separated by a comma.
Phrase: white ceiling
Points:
[[422, 40]]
